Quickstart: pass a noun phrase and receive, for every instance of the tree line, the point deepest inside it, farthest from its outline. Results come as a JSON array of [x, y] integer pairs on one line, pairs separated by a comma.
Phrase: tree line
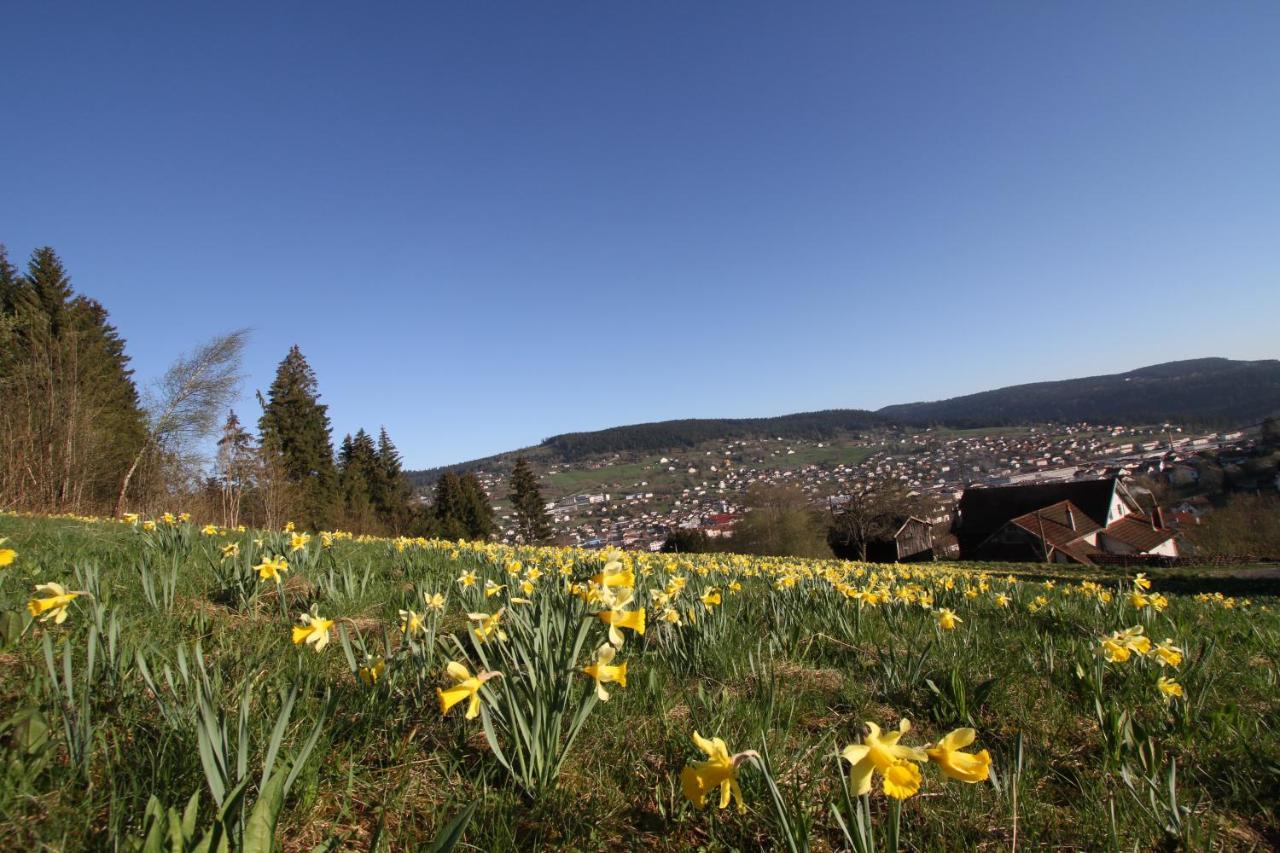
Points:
[[77, 436]]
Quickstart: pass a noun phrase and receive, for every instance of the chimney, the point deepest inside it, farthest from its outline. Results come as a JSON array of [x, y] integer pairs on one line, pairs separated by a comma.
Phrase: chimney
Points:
[[1157, 518]]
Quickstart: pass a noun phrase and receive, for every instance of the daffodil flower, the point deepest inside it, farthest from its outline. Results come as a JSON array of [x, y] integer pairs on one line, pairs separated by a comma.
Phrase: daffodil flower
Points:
[[372, 670], [604, 672], [1002, 600], [433, 600], [466, 686], [410, 622], [271, 567], [489, 626], [1167, 653], [617, 618], [298, 542], [1169, 688], [314, 631], [7, 555], [52, 606], [615, 575], [947, 620], [883, 753], [491, 589], [710, 597], [230, 550], [720, 770], [467, 579], [964, 766], [209, 530]]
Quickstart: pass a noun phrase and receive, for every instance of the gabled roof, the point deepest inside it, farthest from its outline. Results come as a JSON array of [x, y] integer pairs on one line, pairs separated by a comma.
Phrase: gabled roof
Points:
[[1137, 532], [984, 511], [1059, 524]]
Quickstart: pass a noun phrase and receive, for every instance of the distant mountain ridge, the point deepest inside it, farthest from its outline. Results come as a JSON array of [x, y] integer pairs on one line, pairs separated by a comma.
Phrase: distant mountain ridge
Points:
[[1203, 391], [1208, 391]]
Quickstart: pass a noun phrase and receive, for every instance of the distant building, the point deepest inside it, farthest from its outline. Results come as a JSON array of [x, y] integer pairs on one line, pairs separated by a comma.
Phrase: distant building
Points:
[[1069, 522], [912, 542]]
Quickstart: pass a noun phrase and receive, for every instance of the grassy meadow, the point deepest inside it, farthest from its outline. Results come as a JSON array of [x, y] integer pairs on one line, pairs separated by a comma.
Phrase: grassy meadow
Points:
[[184, 686]]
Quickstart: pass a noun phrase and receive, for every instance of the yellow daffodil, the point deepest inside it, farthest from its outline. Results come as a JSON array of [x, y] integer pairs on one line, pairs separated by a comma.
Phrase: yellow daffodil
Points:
[[1140, 581], [491, 589], [734, 586], [964, 766], [298, 542], [1168, 654], [710, 596], [7, 555], [314, 631], [604, 672], [433, 600], [615, 575], [883, 753], [148, 525], [410, 622], [1169, 688], [514, 567], [720, 770], [489, 626], [130, 518], [1137, 600], [168, 518], [271, 567], [1002, 600], [466, 686], [372, 670], [947, 620], [1120, 645], [617, 619], [467, 579], [209, 530], [52, 606], [230, 550], [184, 517], [288, 527]]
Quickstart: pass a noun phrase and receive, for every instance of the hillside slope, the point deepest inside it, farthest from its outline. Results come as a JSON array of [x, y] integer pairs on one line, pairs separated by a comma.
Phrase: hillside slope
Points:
[[1201, 391], [1205, 391]]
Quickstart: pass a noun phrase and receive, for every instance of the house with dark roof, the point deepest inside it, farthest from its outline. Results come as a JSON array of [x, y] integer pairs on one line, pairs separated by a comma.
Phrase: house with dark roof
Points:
[[1062, 522]]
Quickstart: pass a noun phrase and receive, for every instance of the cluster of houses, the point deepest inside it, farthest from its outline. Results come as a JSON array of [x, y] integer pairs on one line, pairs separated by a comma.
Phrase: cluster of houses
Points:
[[1026, 492]]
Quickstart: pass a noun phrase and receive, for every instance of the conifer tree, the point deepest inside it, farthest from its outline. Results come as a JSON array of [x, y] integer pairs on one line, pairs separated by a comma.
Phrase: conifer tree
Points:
[[477, 512], [357, 466], [70, 420], [296, 424], [390, 489], [533, 525], [447, 511]]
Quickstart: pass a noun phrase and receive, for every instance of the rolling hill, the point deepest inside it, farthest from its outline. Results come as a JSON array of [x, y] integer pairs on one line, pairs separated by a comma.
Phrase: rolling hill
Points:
[[1205, 391]]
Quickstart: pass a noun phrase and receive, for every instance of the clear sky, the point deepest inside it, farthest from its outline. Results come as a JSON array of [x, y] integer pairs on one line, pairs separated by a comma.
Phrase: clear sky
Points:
[[488, 223]]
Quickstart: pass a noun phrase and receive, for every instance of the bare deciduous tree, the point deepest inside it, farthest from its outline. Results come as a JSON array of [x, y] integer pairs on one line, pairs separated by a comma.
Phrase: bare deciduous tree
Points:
[[186, 402]]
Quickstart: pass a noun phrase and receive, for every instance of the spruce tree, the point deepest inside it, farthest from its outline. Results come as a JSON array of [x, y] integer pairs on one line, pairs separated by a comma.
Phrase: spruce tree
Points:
[[296, 424], [70, 419], [477, 512], [447, 511], [389, 488], [357, 463], [533, 525]]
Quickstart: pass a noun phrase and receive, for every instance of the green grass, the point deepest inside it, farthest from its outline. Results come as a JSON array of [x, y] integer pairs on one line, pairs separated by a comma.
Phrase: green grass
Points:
[[788, 664]]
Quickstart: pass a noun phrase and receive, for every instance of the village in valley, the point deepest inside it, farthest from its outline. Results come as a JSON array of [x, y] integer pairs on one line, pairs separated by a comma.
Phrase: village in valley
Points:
[[1048, 471]]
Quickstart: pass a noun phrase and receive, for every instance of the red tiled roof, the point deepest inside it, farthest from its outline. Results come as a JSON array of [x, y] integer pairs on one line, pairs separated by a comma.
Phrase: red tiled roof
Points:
[[1054, 523], [1136, 531]]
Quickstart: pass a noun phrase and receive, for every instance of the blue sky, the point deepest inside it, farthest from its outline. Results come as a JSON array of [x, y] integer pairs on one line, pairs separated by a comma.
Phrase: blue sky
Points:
[[489, 223]]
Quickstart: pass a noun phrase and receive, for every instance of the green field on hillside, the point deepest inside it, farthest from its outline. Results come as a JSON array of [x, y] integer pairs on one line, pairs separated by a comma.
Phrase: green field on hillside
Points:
[[388, 694]]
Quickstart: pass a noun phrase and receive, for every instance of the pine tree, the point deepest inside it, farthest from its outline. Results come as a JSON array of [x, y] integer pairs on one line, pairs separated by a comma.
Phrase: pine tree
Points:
[[296, 424], [70, 420], [533, 525], [477, 512], [389, 488], [447, 508], [357, 470]]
